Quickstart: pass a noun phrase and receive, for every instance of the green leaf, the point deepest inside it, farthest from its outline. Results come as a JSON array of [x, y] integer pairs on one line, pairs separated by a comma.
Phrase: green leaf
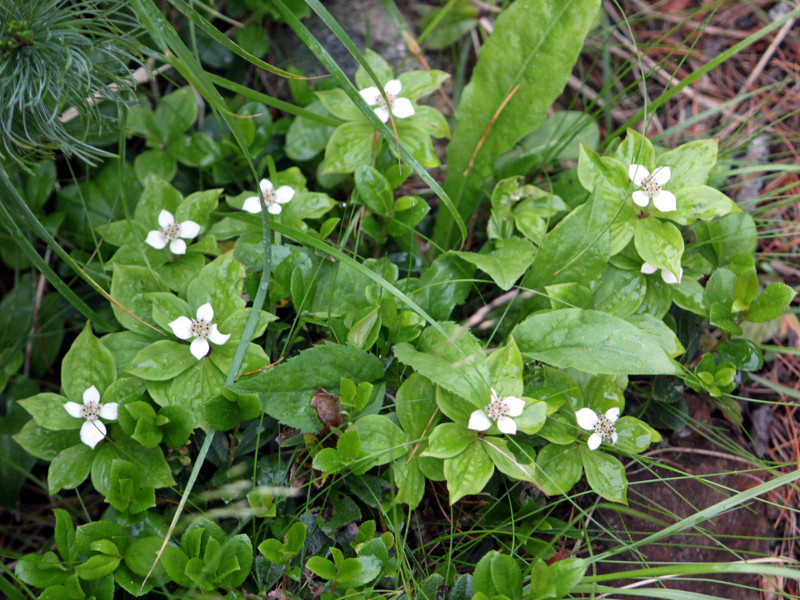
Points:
[[744, 354], [506, 263], [130, 286], [620, 292], [448, 440], [592, 342], [455, 363], [416, 84], [576, 250], [634, 435], [468, 472], [699, 202], [659, 243], [44, 443], [48, 411], [506, 461], [154, 161], [443, 285], [415, 403], [558, 468], [65, 535], [745, 289], [97, 566], [161, 360], [221, 283], [87, 363], [289, 387], [690, 163], [349, 147], [505, 370], [70, 468], [498, 576], [771, 303], [41, 571], [175, 113], [381, 440], [374, 190], [605, 474], [533, 46], [322, 567], [410, 482]]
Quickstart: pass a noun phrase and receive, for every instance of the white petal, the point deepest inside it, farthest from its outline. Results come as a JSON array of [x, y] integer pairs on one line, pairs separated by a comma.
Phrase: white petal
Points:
[[274, 208], [165, 218], [515, 406], [614, 437], [155, 239], [205, 312], [507, 425], [182, 328], [586, 418], [215, 336], [265, 185], [92, 432], [669, 277], [402, 108], [594, 441], [74, 409], [640, 198], [252, 205], [661, 175], [638, 174], [199, 348], [612, 414], [284, 194], [478, 421], [382, 113], [91, 395], [177, 247], [665, 201], [371, 95], [109, 411], [393, 87], [188, 229], [648, 269]]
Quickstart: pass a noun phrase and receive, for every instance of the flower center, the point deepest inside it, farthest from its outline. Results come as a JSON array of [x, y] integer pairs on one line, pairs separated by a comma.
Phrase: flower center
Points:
[[200, 328], [170, 232], [269, 197], [382, 102], [497, 408], [90, 411], [605, 427], [651, 188]]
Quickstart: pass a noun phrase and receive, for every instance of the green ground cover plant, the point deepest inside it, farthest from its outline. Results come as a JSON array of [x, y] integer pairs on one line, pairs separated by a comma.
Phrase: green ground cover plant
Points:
[[275, 338]]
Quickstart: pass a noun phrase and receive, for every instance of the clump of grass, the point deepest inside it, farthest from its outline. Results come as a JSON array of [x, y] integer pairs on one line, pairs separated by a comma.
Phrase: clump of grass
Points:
[[56, 55]]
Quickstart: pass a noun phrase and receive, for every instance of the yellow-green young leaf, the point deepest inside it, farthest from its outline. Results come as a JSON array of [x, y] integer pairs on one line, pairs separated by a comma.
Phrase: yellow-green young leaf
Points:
[[522, 69]]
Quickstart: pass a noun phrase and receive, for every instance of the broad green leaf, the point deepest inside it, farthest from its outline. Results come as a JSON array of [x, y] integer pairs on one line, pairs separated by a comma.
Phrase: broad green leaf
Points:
[[321, 567], [410, 482], [605, 475], [771, 303], [381, 439], [592, 342], [744, 354], [87, 363], [48, 411], [442, 286], [70, 468], [197, 384], [634, 435], [468, 472], [690, 163], [374, 190], [156, 161], [659, 243], [506, 461], [448, 440], [620, 292], [44, 443], [523, 67], [505, 263], [498, 576], [558, 468], [289, 387], [416, 405], [130, 286], [65, 535], [176, 112], [505, 370], [745, 289], [349, 147], [636, 149], [156, 196], [221, 283], [161, 360], [416, 84], [576, 250], [699, 202]]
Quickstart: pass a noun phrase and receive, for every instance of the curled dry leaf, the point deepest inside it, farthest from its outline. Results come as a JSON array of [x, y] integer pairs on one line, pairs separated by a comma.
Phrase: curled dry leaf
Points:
[[328, 408]]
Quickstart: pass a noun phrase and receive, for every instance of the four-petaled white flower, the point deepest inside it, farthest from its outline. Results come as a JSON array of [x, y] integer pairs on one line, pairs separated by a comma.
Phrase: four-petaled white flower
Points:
[[171, 232], [602, 425], [201, 329], [667, 275], [399, 107], [272, 198], [651, 187], [93, 430], [500, 410]]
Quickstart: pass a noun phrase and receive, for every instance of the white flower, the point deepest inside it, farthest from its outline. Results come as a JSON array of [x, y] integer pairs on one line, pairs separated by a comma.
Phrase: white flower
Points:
[[667, 275], [603, 426], [171, 232], [399, 107], [201, 329], [651, 187], [500, 409], [93, 430], [272, 198]]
